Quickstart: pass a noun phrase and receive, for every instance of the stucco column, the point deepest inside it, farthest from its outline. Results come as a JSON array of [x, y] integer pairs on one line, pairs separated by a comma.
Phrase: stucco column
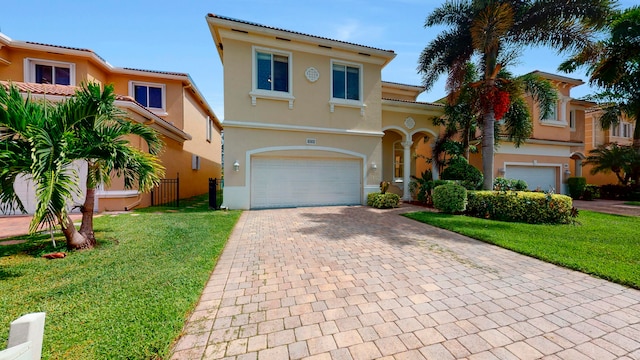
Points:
[[563, 108], [406, 178]]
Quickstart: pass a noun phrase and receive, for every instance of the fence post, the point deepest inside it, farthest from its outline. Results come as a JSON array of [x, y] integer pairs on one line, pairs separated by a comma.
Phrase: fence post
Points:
[[178, 190], [28, 329]]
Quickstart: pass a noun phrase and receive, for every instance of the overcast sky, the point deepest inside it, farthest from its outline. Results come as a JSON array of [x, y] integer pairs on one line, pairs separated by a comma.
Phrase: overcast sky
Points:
[[173, 35]]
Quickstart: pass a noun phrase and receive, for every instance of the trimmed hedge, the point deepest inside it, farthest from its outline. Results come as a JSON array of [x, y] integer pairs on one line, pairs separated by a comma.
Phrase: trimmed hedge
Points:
[[459, 169], [450, 198], [520, 206], [502, 184], [576, 186], [383, 201]]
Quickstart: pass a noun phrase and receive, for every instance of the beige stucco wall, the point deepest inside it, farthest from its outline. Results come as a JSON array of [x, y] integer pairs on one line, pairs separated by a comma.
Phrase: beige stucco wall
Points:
[[311, 105]]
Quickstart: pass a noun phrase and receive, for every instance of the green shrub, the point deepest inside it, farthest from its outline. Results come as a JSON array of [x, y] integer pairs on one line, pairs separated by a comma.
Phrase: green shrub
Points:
[[591, 192], [460, 169], [450, 198], [420, 187], [502, 184], [520, 206], [383, 201], [576, 186]]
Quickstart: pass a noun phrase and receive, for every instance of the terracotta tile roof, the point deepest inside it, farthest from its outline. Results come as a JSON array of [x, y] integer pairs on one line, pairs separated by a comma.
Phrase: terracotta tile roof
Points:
[[397, 83], [54, 90], [293, 32], [65, 47], [415, 102], [158, 72]]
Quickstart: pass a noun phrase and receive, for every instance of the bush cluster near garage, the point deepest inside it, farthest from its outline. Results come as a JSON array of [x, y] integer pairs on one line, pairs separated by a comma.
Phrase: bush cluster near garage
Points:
[[450, 198], [520, 206]]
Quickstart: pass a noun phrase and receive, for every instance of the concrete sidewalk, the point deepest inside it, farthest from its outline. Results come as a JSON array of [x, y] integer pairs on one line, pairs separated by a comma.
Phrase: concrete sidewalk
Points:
[[360, 283]]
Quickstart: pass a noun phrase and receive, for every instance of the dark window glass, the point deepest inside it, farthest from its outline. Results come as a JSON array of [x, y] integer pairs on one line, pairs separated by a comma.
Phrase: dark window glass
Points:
[[140, 93], [63, 76], [281, 73], [155, 97], [339, 79], [44, 74], [264, 71], [353, 83]]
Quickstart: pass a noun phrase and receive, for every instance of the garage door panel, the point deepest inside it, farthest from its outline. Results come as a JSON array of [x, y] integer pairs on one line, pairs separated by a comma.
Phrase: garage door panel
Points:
[[537, 177], [280, 182]]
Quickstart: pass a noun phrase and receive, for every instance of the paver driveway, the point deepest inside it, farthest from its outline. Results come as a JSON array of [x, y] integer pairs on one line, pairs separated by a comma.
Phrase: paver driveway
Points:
[[360, 283]]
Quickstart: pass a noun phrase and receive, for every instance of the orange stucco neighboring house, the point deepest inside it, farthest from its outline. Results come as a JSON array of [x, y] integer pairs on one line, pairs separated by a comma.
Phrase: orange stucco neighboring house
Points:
[[622, 134], [309, 121], [169, 102]]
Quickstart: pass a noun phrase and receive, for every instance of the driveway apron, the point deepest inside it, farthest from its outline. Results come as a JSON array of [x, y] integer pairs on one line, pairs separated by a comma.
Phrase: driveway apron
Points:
[[361, 283]]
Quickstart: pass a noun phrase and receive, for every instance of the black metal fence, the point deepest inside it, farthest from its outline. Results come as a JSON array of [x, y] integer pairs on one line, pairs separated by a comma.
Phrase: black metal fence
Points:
[[215, 193], [167, 193]]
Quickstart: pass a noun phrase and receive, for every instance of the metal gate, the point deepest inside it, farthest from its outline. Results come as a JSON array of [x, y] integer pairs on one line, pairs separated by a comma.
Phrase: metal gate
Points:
[[167, 193]]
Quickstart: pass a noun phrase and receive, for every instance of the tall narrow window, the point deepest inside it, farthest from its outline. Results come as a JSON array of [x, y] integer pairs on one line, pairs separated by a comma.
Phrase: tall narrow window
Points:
[[272, 72], [346, 82], [572, 119], [398, 162]]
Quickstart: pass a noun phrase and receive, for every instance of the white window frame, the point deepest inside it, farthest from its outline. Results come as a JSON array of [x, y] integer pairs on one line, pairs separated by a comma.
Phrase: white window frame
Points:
[[333, 102], [625, 130], [615, 130], [270, 94], [572, 120], [158, 111], [209, 129], [30, 69]]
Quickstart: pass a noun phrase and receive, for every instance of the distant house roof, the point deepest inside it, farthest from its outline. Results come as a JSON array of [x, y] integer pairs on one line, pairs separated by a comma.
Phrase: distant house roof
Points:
[[556, 77], [68, 90]]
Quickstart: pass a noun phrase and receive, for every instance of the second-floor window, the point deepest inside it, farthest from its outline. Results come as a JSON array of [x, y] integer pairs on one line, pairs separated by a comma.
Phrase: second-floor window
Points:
[[623, 129], [553, 114], [346, 82], [49, 72], [150, 95], [572, 120], [272, 71]]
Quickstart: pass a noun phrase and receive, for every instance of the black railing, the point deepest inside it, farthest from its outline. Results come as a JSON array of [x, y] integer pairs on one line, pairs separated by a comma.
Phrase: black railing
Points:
[[167, 193], [215, 193]]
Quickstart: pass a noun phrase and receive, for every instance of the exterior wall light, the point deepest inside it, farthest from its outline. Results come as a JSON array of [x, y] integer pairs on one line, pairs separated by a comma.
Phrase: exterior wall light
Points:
[[374, 165], [502, 171], [236, 166]]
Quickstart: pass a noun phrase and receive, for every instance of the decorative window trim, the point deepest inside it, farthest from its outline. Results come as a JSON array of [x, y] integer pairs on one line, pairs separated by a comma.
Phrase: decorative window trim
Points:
[[158, 111], [333, 102], [256, 93], [30, 69]]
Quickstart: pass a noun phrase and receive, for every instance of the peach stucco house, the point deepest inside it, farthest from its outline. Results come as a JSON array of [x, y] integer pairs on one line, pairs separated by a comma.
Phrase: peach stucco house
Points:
[[169, 102], [309, 121], [622, 134]]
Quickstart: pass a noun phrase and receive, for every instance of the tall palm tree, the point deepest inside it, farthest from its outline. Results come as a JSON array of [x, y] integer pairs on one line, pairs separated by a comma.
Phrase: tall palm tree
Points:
[[614, 65], [42, 140], [495, 31], [102, 143]]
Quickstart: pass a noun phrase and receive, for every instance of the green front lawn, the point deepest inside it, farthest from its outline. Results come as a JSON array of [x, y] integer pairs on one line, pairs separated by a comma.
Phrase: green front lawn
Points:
[[604, 245], [634, 203], [126, 299]]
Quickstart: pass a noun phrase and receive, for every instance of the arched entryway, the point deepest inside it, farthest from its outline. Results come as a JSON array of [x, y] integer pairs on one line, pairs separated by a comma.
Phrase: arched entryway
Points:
[[405, 154]]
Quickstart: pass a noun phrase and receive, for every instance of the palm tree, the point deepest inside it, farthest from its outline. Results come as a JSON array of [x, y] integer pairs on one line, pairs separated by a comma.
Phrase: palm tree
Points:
[[614, 65], [102, 143], [623, 161], [42, 140], [495, 31]]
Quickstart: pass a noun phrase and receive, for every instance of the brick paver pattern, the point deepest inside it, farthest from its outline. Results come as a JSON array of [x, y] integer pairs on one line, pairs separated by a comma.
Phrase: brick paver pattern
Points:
[[360, 283]]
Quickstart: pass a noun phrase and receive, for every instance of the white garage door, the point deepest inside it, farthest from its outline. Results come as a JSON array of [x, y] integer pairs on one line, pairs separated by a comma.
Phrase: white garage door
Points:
[[537, 177], [291, 182]]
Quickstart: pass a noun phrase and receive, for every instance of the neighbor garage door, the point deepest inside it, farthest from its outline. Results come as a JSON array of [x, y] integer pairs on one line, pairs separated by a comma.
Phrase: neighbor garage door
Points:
[[537, 177], [291, 182]]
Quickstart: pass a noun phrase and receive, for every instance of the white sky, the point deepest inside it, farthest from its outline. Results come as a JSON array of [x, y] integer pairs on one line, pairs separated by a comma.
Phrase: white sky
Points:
[[173, 35]]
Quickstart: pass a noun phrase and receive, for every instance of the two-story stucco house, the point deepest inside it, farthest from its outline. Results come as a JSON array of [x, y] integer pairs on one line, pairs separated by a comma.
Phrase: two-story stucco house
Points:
[[309, 121], [169, 102]]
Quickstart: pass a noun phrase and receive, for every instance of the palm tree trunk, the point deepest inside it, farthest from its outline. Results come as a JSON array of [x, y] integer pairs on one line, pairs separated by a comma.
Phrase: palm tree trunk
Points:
[[86, 228], [488, 147], [75, 240]]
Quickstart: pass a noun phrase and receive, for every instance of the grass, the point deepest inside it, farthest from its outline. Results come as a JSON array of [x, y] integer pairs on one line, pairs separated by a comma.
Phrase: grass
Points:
[[126, 299], [633, 203], [607, 246]]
